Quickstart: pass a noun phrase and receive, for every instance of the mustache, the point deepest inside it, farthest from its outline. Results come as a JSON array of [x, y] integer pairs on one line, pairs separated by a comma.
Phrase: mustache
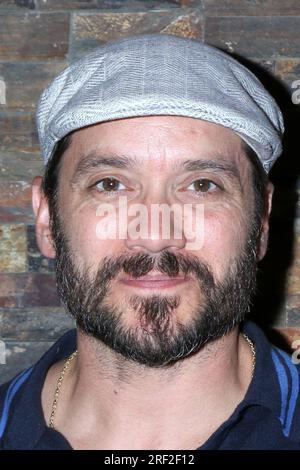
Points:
[[166, 262]]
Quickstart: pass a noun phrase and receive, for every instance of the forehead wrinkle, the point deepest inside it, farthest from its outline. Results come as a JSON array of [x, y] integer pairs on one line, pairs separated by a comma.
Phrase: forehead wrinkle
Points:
[[199, 164], [220, 166], [94, 160]]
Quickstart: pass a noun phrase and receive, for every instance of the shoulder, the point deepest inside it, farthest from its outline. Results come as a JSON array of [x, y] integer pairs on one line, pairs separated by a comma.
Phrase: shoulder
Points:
[[20, 398], [10, 388], [8, 392], [276, 383], [287, 366]]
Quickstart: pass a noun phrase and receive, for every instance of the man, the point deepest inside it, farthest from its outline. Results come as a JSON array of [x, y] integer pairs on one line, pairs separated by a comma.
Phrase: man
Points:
[[163, 357]]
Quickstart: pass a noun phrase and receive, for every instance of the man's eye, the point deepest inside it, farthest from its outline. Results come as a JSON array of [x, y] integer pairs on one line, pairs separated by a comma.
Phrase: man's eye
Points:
[[109, 185], [202, 186]]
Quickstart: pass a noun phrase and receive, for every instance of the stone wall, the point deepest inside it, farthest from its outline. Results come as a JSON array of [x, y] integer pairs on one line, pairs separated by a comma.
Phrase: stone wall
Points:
[[38, 38]]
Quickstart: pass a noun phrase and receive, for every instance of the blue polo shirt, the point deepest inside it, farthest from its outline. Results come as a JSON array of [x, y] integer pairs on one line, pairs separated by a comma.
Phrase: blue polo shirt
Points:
[[267, 418]]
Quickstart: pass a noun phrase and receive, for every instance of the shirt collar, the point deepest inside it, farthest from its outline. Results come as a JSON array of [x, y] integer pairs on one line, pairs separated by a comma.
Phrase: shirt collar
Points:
[[264, 388]]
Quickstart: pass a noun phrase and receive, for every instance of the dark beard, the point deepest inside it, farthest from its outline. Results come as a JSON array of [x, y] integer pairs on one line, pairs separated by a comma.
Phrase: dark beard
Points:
[[157, 339]]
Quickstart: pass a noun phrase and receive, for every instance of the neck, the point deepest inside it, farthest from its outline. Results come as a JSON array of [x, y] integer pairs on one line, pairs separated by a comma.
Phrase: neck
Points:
[[103, 392]]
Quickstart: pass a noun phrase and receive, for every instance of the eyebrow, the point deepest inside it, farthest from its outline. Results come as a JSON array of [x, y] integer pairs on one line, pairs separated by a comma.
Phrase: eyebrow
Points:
[[93, 161], [220, 166]]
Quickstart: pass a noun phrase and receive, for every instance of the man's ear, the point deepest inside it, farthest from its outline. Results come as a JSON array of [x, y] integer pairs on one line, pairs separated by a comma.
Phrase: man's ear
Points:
[[42, 223], [264, 231]]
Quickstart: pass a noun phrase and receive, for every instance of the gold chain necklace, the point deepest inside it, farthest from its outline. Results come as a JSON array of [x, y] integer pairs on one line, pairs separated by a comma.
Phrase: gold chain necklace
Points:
[[253, 351], [58, 386], [74, 354]]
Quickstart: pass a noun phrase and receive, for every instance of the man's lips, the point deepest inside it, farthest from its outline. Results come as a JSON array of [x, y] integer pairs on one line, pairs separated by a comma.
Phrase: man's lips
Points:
[[153, 281]]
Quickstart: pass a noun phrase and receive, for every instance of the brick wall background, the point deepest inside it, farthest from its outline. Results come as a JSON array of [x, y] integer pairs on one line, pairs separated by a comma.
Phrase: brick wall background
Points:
[[38, 38]]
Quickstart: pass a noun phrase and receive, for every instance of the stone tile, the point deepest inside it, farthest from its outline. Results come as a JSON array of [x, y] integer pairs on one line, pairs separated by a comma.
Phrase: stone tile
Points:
[[34, 36], [57, 5], [120, 5], [288, 69], [293, 279], [26, 4], [15, 202], [36, 261], [131, 5], [248, 8], [15, 193], [28, 290], [293, 317], [288, 72], [18, 132], [8, 5], [188, 26], [191, 3], [35, 324], [293, 311], [92, 30], [13, 248], [296, 250], [11, 214], [19, 355], [20, 166], [51, 5], [25, 81], [259, 37]]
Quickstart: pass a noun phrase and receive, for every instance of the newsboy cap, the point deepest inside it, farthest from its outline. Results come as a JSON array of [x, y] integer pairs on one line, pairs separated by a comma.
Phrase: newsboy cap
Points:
[[157, 74]]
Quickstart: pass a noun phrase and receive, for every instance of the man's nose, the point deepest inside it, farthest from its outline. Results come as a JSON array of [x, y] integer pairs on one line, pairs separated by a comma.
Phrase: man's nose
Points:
[[158, 226]]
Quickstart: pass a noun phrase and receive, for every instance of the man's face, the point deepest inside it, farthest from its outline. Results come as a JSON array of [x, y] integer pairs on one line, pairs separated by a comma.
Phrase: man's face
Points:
[[154, 299]]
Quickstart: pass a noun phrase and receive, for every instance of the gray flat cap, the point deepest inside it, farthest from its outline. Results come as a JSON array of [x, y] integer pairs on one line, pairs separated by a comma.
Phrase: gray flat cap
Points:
[[158, 74]]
